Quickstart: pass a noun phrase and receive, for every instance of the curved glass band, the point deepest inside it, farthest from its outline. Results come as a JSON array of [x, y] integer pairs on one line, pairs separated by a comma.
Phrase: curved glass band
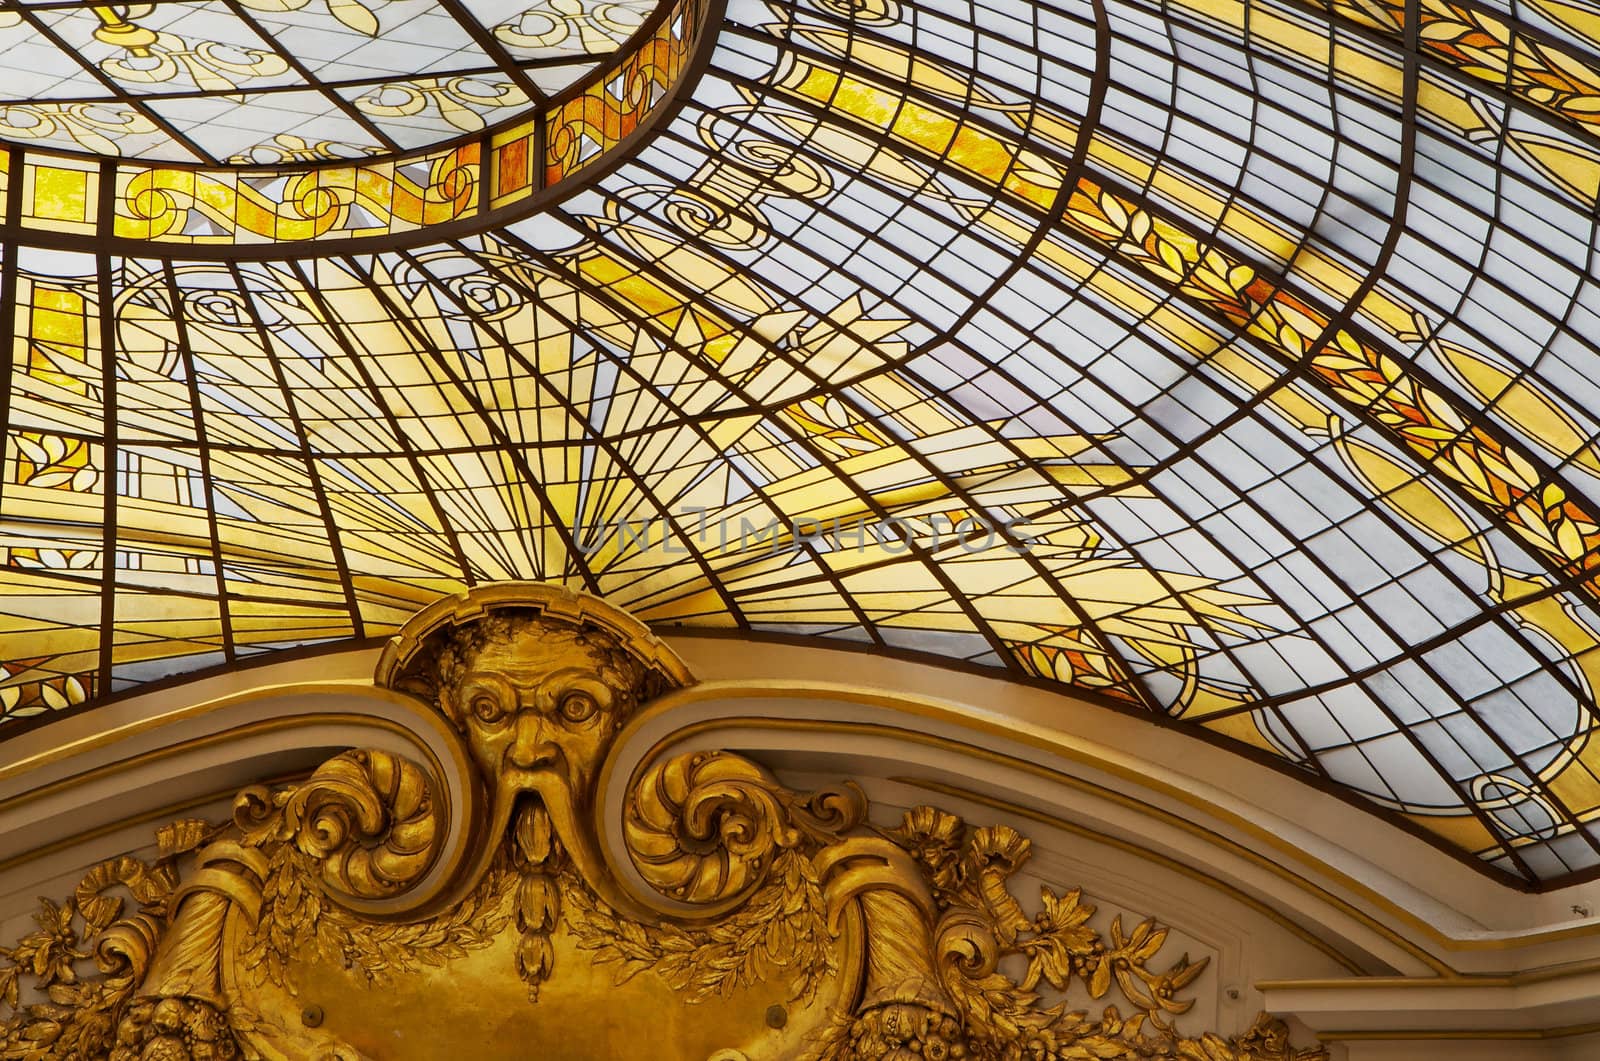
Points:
[[54, 199]]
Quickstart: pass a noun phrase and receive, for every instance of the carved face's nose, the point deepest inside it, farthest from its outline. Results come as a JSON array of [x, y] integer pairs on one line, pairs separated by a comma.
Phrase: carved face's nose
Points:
[[529, 749]]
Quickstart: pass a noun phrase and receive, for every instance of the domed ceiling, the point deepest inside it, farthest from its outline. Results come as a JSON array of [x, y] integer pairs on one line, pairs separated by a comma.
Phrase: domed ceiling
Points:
[[1227, 360], [273, 81]]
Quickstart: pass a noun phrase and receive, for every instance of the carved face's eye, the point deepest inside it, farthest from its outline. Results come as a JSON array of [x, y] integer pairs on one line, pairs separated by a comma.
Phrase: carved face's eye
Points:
[[578, 707], [487, 708]]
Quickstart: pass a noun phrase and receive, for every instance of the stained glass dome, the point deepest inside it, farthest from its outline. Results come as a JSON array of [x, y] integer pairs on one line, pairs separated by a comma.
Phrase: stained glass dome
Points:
[[275, 81], [1227, 361]]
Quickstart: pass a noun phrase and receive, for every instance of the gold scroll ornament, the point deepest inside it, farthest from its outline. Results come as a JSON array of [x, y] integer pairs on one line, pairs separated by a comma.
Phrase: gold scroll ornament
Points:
[[750, 921]]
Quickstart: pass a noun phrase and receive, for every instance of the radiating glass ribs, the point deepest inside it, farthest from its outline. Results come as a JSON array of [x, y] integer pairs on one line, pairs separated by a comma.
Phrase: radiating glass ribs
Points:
[[1228, 361]]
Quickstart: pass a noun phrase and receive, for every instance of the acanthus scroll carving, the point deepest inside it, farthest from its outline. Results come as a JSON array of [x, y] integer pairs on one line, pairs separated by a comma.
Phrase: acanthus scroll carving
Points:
[[786, 924], [366, 819]]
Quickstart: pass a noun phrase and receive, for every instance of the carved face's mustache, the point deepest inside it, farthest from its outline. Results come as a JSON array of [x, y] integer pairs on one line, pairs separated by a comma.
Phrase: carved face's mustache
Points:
[[555, 800]]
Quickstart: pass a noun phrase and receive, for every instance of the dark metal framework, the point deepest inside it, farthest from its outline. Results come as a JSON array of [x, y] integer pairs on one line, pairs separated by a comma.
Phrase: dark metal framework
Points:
[[1267, 593]]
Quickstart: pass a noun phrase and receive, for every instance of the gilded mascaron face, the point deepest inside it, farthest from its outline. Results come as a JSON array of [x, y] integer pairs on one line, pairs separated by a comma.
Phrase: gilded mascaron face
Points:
[[533, 706], [539, 702]]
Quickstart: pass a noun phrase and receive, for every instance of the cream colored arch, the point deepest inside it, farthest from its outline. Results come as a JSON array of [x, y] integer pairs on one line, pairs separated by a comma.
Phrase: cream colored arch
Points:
[[1378, 932]]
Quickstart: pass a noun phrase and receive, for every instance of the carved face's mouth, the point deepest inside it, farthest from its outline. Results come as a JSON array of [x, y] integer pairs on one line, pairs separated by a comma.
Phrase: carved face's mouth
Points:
[[521, 793], [522, 789]]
